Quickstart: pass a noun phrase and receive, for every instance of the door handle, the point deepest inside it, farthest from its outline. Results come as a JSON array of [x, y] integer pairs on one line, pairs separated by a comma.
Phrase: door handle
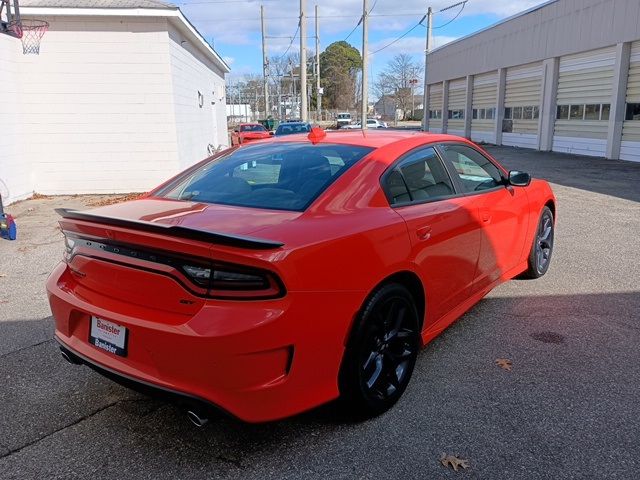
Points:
[[424, 233], [485, 216]]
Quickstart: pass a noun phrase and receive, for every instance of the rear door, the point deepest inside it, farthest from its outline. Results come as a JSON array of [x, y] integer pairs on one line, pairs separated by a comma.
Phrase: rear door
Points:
[[501, 210], [445, 237]]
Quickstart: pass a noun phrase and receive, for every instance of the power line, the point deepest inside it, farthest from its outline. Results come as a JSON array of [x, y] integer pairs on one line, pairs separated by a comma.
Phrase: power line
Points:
[[291, 42], [256, 19], [374, 6], [354, 29], [401, 36], [457, 14]]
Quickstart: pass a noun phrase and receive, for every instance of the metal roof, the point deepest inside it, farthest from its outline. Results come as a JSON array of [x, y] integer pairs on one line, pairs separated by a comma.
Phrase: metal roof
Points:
[[97, 4]]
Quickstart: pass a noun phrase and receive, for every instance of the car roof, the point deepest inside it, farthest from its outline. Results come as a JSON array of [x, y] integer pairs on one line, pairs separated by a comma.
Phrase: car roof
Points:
[[251, 124], [292, 123], [370, 138]]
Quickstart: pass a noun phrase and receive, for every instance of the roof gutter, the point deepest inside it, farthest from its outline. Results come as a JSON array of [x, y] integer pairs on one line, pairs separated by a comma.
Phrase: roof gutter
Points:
[[174, 14]]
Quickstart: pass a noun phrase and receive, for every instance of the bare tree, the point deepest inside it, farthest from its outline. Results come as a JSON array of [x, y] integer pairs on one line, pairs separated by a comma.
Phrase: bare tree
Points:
[[395, 79]]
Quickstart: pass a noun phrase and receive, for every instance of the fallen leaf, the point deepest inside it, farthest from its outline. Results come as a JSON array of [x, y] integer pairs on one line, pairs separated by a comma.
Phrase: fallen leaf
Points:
[[454, 462], [113, 200], [504, 363], [40, 196]]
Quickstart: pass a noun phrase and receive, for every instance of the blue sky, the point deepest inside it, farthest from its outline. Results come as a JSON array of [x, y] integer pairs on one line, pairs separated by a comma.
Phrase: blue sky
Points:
[[234, 26]]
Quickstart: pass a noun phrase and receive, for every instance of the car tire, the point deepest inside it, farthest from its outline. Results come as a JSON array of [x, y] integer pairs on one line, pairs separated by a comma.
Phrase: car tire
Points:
[[542, 247], [381, 353]]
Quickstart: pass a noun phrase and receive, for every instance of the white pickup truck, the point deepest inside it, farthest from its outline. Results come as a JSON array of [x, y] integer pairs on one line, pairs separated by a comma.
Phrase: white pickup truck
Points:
[[343, 119]]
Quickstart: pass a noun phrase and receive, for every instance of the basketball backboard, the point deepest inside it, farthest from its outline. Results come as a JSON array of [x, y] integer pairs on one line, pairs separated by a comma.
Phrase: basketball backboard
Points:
[[10, 17], [29, 31]]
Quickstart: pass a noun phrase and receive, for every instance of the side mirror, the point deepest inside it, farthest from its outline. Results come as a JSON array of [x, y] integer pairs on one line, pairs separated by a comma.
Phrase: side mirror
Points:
[[272, 133], [519, 179]]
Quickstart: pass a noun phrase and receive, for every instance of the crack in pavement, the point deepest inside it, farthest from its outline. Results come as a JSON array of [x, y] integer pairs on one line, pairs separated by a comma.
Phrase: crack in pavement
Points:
[[75, 422], [26, 348]]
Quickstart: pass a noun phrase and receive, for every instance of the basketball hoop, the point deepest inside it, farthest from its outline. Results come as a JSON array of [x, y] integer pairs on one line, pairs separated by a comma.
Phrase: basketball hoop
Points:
[[30, 32]]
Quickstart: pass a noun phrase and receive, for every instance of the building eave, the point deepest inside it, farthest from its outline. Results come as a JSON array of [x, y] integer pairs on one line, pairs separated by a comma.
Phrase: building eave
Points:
[[174, 15], [504, 20]]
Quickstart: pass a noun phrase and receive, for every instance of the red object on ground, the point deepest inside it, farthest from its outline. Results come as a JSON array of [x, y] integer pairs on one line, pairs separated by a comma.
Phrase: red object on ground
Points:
[[247, 132], [244, 293]]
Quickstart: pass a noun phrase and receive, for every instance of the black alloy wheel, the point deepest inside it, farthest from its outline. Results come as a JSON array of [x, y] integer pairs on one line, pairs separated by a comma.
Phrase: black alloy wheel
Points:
[[542, 248], [381, 353]]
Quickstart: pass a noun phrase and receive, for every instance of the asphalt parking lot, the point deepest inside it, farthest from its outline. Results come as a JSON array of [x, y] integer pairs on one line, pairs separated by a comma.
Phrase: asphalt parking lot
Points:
[[569, 408]]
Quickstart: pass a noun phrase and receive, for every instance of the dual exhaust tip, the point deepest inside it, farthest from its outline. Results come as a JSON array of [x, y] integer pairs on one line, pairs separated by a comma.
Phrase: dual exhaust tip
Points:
[[196, 418], [70, 357]]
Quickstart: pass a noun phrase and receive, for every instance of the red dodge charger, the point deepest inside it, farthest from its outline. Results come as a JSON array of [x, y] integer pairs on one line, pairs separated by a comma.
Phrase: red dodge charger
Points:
[[274, 277]]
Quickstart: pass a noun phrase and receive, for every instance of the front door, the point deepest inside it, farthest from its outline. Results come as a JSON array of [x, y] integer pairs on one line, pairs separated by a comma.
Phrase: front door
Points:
[[500, 211]]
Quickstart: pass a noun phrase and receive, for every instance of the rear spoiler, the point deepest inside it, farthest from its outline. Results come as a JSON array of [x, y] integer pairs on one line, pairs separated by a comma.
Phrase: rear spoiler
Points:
[[173, 230]]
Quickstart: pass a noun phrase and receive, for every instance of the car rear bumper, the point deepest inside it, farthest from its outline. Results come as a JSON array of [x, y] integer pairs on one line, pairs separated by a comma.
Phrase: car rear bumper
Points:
[[257, 360]]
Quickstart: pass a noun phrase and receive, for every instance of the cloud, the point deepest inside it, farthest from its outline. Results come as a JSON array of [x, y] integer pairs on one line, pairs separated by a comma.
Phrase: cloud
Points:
[[237, 22]]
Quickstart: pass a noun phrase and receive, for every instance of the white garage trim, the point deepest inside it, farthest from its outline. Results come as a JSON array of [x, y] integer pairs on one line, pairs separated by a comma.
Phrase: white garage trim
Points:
[[630, 151], [522, 140], [580, 146]]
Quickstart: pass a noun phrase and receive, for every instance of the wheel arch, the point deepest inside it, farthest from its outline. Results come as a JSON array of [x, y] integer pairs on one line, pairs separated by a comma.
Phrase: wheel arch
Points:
[[552, 206], [411, 282]]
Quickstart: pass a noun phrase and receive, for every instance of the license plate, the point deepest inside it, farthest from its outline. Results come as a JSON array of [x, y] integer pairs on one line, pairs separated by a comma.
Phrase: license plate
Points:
[[108, 336]]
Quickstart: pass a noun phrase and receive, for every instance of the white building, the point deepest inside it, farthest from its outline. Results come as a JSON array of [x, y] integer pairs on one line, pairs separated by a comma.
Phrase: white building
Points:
[[124, 94], [239, 113], [563, 76]]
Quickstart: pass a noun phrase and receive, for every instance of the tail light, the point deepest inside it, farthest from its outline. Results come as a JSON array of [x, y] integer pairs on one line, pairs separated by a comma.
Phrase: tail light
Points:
[[219, 280], [234, 281]]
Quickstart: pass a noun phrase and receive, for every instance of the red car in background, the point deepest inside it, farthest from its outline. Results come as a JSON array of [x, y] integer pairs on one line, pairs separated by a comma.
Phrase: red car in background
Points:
[[247, 132], [272, 278]]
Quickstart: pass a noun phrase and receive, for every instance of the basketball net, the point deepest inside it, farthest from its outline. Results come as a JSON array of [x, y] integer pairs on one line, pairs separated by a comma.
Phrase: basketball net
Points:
[[30, 32]]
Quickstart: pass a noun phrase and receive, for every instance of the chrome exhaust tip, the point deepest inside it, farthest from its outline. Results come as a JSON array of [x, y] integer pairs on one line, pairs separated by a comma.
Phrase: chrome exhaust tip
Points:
[[198, 420], [69, 358]]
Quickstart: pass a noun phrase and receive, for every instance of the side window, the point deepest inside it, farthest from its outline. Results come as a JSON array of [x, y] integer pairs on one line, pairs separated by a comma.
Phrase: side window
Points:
[[420, 176], [475, 171]]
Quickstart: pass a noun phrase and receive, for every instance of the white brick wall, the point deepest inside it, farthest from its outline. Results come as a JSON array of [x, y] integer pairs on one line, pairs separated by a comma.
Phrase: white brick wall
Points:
[[109, 106], [197, 126], [15, 167]]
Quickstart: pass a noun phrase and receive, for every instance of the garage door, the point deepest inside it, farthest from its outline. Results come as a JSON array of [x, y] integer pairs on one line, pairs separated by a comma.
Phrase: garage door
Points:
[[456, 106], [522, 106], [435, 108], [584, 95], [630, 147], [483, 112]]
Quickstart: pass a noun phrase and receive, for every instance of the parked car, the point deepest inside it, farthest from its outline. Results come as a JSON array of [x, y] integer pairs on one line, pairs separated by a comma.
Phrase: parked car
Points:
[[247, 132], [343, 119], [318, 273], [290, 128], [371, 123]]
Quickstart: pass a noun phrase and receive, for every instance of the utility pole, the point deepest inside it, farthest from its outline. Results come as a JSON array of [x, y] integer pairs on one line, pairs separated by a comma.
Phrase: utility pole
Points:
[[318, 93], [365, 64], [303, 61], [265, 66], [425, 106]]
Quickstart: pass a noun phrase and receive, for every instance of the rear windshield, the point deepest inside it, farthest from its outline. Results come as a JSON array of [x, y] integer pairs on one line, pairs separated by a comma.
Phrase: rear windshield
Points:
[[289, 129], [252, 128], [281, 176]]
